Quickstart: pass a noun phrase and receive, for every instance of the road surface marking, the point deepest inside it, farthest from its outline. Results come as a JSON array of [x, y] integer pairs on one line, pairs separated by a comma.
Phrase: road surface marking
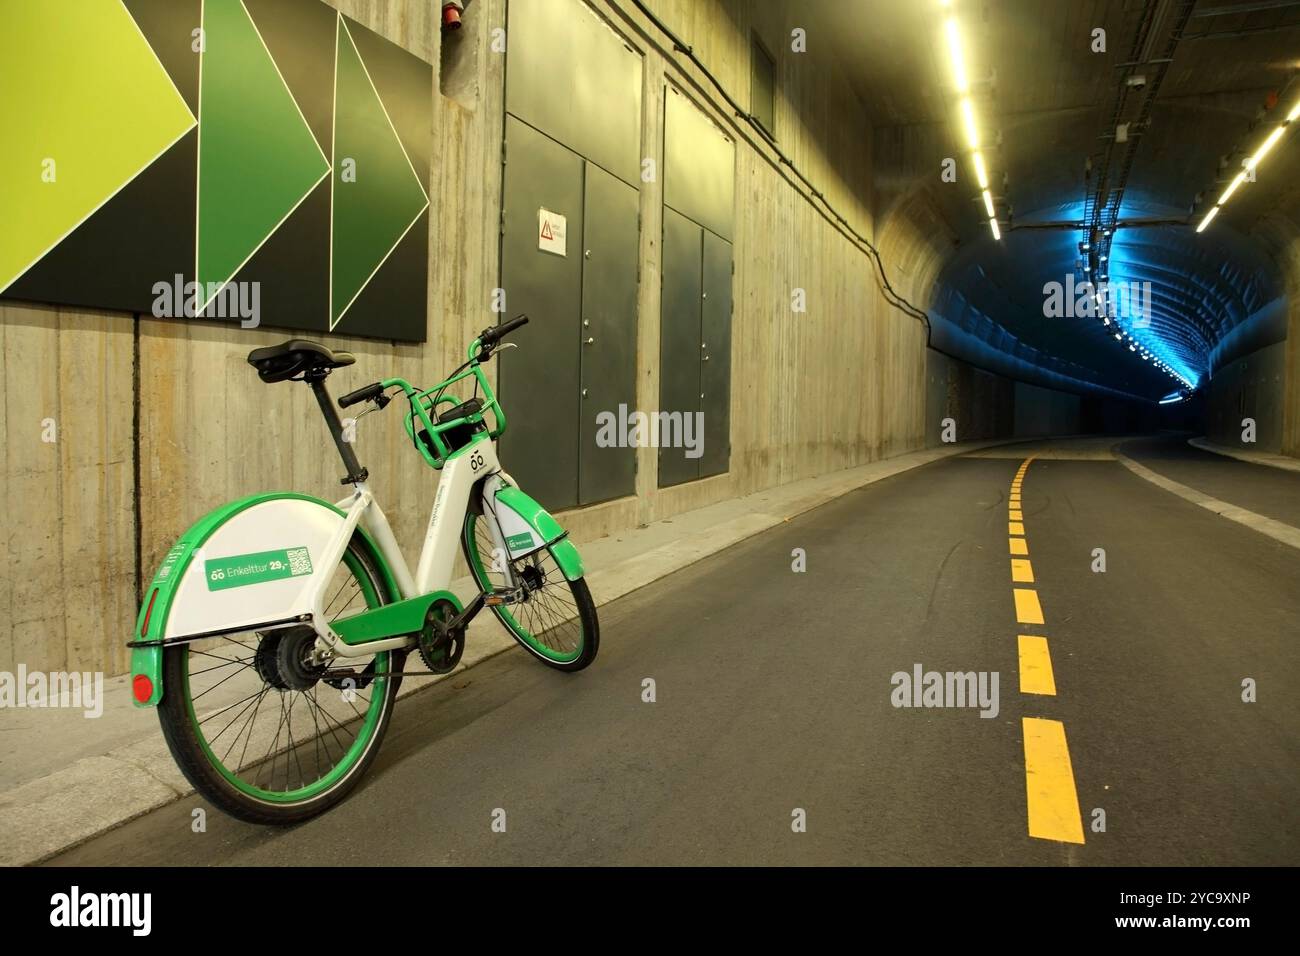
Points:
[[1028, 610], [1049, 783], [1276, 530], [1036, 667], [1053, 802]]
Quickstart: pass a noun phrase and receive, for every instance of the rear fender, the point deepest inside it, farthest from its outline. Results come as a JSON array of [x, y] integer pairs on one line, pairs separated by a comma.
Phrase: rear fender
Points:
[[247, 562]]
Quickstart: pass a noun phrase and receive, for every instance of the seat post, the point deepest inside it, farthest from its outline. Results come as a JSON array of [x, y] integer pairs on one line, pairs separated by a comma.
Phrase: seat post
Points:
[[356, 472]]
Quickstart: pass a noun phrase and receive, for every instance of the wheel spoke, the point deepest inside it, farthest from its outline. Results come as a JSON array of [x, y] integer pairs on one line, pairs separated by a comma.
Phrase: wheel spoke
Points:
[[270, 732]]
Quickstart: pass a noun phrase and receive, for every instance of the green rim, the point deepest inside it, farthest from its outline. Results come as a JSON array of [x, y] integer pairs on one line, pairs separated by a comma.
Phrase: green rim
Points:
[[503, 611], [365, 733]]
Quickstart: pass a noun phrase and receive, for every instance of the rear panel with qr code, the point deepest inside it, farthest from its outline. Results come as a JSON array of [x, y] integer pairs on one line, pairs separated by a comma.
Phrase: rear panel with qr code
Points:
[[258, 566]]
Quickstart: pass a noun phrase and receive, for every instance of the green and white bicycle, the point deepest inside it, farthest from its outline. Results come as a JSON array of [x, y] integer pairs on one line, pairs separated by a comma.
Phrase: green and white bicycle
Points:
[[274, 635]]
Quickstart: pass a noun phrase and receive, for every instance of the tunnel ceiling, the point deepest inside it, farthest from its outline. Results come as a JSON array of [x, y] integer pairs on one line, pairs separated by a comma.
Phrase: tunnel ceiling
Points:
[[1052, 102]]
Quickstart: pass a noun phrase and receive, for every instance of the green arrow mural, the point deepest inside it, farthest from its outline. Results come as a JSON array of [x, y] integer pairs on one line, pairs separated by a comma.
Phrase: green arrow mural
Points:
[[257, 156], [85, 106], [183, 144], [377, 194]]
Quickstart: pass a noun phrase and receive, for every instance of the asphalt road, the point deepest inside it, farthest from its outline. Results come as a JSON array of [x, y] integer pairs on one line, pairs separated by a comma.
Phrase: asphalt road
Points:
[[774, 694]]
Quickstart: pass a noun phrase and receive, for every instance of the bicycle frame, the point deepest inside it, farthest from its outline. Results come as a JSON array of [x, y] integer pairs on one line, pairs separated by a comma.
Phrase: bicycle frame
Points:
[[461, 473]]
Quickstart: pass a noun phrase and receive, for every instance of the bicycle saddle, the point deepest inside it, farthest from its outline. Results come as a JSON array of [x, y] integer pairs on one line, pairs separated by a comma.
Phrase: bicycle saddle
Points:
[[279, 363]]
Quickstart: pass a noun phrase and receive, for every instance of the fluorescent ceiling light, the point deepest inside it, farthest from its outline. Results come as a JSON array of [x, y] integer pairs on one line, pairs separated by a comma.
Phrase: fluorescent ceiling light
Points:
[[954, 52], [1295, 111], [1232, 187], [997, 233], [968, 117], [988, 204], [1268, 144], [981, 173], [1206, 221]]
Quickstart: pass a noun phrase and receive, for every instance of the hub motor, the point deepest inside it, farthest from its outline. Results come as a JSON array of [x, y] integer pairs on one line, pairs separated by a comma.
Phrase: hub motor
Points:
[[283, 659]]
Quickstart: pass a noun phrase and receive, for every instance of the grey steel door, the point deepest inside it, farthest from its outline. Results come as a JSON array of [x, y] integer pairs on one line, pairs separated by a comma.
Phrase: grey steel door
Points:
[[608, 351], [679, 339], [715, 347], [539, 380]]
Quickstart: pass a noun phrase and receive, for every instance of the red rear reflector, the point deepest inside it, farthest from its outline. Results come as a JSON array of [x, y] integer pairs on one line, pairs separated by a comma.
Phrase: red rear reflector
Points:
[[142, 687], [144, 626]]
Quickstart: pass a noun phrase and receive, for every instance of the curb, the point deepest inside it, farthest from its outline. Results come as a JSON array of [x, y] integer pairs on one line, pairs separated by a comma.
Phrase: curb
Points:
[[1274, 529], [1255, 458]]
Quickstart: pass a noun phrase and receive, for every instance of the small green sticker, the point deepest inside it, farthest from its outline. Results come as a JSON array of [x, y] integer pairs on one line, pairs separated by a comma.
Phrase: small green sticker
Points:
[[242, 569], [519, 542]]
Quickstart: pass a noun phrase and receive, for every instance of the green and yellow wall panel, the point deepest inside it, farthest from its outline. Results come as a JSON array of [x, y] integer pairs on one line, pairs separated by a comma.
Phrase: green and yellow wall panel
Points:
[[198, 143]]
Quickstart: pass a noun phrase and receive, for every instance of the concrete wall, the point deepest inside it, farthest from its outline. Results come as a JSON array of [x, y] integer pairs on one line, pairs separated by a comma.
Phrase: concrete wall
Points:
[[1044, 411], [1278, 232], [980, 404], [160, 421], [1254, 386]]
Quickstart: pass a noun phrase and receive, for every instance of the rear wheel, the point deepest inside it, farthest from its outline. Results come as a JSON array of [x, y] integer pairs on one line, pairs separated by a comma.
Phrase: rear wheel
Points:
[[257, 726], [555, 619]]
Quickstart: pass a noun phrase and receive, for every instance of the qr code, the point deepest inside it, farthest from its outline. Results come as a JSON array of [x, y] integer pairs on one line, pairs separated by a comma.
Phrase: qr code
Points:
[[299, 561]]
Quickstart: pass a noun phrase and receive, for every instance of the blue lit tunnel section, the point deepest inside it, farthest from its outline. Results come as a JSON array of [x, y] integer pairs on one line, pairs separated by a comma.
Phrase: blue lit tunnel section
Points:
[[1149, 307]]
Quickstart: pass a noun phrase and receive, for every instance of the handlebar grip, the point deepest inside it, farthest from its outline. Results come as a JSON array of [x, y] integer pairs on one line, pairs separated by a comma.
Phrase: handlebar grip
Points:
[[516, 322], [492, 336], [364, 394]]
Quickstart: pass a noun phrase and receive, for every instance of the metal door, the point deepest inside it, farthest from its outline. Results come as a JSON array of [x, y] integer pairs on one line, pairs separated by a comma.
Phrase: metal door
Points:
[[715, 361], [539, 380], [608, 352], [679, 340]]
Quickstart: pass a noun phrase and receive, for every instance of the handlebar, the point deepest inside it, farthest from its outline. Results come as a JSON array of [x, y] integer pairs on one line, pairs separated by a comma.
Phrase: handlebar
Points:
[[480, 350], [425, 402]]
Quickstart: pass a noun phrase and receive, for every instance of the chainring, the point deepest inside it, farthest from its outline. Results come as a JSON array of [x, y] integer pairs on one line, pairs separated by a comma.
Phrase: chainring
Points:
[[441, 646]]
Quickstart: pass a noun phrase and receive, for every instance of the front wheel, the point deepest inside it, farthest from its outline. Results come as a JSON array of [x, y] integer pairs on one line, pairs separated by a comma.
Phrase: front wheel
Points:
[[556, 618]]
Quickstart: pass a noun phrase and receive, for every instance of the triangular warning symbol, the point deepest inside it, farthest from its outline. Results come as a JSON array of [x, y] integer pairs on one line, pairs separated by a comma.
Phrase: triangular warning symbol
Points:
[[546, 230]]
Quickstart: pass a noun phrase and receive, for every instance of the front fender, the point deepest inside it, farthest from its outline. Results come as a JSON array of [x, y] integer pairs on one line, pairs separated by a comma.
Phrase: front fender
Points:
[[527, 527], [210, 603]]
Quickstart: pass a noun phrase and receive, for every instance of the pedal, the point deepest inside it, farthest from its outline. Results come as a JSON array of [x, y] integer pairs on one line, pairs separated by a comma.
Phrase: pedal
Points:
[[499, 597]]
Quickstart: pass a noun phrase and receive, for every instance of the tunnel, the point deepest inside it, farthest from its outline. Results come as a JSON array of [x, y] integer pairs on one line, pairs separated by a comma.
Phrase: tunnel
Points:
[[683, 433]]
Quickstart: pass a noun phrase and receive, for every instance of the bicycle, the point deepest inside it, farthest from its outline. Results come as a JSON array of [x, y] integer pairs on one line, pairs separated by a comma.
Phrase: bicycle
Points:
[[289, 608]]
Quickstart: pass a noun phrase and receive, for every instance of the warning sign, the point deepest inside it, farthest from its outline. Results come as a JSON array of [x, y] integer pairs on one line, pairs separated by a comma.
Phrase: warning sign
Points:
[[551, 232]]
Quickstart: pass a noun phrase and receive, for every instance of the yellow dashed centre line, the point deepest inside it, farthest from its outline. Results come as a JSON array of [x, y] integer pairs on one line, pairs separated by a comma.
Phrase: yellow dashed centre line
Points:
[[1049, 783], [1036, 667], [1052, 801], [1028, 610]]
